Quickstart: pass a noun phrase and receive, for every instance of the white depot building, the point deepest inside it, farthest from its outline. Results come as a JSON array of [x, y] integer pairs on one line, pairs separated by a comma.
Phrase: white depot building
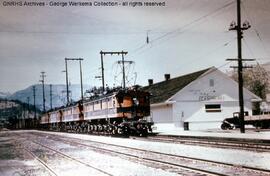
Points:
[[196, 101]]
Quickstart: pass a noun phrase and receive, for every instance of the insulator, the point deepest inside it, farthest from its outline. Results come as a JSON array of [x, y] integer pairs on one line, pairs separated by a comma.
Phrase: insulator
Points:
[[233, 25], [246, 25]]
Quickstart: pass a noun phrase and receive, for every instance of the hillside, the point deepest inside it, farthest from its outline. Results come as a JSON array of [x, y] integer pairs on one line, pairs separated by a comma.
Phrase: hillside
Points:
[[4, 94], [11, 111], [58, 95]]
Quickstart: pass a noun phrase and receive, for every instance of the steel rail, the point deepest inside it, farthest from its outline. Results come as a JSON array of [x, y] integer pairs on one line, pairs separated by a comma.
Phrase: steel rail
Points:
[[197, 170], [247, 168], [71, 158], [212, 143], [42, 162]]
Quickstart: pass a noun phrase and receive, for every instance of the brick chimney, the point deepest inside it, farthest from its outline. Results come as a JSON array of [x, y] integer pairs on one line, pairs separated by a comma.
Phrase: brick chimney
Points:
[[167, 77], [150, 82]]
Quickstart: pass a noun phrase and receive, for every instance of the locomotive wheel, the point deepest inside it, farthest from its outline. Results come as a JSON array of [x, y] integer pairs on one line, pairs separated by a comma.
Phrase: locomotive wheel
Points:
[[120, 131], [115, 131], [144, 132], [126, 131], [105, 128], [110, 129], [87, 128], [100, 128], [95, 128]]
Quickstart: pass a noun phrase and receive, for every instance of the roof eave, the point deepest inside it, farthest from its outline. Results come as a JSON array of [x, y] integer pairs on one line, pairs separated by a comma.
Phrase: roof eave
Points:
[[162, 104]]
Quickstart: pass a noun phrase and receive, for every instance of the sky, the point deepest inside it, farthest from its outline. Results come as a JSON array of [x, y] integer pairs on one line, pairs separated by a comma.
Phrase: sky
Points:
[[184, 36]]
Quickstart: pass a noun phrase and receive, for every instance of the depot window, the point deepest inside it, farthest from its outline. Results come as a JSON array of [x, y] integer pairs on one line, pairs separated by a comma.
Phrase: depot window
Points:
[[213, 108], [211, 83]]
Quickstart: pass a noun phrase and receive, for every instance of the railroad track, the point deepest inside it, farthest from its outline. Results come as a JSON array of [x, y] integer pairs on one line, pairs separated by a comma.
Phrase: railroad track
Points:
[[243, 144], [42, 163], [210, 142], [62, 154], [168, 162]]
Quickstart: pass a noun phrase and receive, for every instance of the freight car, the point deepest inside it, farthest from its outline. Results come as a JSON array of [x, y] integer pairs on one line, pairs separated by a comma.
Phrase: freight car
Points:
[[258, 121], [120, 112]]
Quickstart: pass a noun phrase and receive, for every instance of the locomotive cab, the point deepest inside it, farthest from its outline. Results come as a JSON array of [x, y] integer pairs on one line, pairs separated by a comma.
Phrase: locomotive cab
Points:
[[133, 106]]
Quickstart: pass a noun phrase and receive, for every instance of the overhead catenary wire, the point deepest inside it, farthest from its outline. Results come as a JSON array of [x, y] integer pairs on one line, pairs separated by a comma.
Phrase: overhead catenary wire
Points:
[[180, 29], [144, 49], [208, 53], [255, 30], [194, 21], [118, 73], [249, 48]]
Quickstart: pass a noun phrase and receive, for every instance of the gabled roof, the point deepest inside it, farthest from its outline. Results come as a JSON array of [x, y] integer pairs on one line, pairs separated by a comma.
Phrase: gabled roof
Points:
[[164, 90]]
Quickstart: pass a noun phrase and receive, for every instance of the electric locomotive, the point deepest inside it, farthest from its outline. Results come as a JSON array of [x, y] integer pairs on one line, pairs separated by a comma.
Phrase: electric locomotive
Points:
[[120, 112]]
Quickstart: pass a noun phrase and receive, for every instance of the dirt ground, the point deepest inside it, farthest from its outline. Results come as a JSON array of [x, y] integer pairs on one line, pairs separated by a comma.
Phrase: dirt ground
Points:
[[15, 161]]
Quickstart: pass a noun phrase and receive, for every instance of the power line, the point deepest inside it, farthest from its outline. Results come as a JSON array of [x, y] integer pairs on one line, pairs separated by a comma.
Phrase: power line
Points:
[[199, 58], [249, 49], [197, 20], [72, 33], [180, 29], [256, 30]]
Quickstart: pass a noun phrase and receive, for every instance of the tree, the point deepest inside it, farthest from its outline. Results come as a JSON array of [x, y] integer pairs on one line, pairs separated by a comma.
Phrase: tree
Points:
[[256, 80]]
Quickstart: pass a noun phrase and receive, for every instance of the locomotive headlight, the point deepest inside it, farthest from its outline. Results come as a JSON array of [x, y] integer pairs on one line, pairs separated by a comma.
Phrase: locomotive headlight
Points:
[[136, 102]]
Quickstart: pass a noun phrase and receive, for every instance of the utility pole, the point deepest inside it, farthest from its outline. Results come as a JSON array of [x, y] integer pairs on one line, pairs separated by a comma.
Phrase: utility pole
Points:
[[34, 96], [74, 59], [43, 88], [67, 81], [51, 96], [28, 106], [102, 71], [23, 116], [81, 78], [28, 114], [240, 28], [123, 65]]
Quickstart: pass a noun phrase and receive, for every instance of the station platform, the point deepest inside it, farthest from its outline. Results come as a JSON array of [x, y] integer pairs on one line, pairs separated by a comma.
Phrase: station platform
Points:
[[251, 134]]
